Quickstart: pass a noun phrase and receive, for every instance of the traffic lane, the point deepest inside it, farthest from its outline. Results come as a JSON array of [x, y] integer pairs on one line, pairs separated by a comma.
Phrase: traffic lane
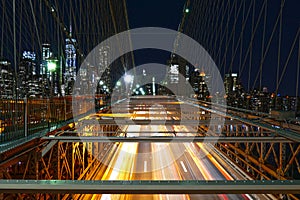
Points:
[[187, 168], [150, 165], [163, 170], [185, 160], [190, 171], [143, 163], [201, 160], [196, 168], [120, 168], [137, 170], [142, 167], [163, 174], [208, 171], [164, 167]]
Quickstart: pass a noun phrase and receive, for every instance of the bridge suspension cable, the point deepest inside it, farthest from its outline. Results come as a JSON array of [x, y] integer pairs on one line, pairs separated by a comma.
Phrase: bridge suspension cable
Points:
[[246, 36]]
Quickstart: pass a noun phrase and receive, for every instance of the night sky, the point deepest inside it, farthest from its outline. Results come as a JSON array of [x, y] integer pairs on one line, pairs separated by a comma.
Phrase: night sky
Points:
[[168, 14], [165, 14]]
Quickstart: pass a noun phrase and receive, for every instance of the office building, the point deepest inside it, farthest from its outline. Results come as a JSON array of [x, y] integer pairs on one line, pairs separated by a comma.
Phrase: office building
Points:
[[28, 79], [71, 64], [6, 80]]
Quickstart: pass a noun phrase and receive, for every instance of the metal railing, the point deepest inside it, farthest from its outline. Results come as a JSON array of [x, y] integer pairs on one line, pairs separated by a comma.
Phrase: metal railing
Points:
[[24, 117]]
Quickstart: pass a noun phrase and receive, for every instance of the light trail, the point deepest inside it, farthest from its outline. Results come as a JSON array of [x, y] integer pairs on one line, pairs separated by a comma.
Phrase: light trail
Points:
[[163, 161]]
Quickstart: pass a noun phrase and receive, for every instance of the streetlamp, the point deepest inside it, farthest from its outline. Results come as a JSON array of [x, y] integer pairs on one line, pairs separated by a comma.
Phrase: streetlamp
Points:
[[51, 66], [52, 75], [128, 78], [128, 82]]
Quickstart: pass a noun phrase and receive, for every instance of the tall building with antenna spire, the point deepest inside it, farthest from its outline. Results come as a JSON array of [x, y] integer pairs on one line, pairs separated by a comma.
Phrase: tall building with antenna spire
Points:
[[70, 70]]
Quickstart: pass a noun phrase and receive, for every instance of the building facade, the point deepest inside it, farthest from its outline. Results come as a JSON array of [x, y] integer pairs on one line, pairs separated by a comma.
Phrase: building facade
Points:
[[6, 80], [70, 65], [28, 78]]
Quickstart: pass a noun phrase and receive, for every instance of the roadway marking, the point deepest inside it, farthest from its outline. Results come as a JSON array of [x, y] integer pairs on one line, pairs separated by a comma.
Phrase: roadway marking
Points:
[[183, 166], [145, 166]]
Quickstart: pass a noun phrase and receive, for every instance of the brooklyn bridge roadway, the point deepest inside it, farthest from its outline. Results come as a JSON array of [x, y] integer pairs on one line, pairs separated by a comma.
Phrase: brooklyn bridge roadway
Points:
[[163, 164], [164, 161]]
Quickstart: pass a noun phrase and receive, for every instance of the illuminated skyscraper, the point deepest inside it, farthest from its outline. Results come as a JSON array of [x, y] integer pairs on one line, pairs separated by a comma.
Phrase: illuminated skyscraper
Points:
[[28, 81], [179, 70], [104, 70], [49, 72], [200, 82], [230, 82], [6, 79], [203, 89], [46, 54], [71, 62]]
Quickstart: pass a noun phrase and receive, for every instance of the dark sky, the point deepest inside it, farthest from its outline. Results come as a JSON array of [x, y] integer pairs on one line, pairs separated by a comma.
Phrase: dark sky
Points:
[[156, 13]]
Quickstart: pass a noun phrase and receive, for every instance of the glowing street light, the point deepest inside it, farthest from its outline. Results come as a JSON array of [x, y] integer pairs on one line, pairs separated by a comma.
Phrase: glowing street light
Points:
[[142, 91], [128, 78], [52, 65]]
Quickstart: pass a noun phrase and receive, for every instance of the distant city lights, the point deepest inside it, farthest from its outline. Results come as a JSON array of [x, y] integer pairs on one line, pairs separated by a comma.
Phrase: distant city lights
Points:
[[128, 78], [51, 66]]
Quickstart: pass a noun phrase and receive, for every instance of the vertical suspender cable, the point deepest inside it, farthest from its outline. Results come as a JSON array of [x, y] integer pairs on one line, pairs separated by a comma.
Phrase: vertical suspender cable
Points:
[[221, 33], [262, 47], [2, 27], [216, 33], [242, 36], [2, 36], [279, 49], [20, 28], [253, 35], [116, 32], [288, 58], [236, 13], [297, 81], [213, 27], [270, 38], [15, 58], [35, 25], [129, 36], [232, 37], [250, 48], [15, 47], [227, 39]]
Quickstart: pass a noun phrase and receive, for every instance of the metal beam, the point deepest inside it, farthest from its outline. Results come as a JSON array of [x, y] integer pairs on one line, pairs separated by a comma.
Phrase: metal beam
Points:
[[80, 132], [182, 122], [150, 187], [166, 139], [292, 135], [48, 147]]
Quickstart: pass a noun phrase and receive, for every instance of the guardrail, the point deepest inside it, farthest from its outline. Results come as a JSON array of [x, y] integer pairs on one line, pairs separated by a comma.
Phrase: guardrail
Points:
[[24, 117]]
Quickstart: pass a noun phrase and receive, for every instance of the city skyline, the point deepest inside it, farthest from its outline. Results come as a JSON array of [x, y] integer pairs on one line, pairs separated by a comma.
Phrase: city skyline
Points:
[[141, 15]]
